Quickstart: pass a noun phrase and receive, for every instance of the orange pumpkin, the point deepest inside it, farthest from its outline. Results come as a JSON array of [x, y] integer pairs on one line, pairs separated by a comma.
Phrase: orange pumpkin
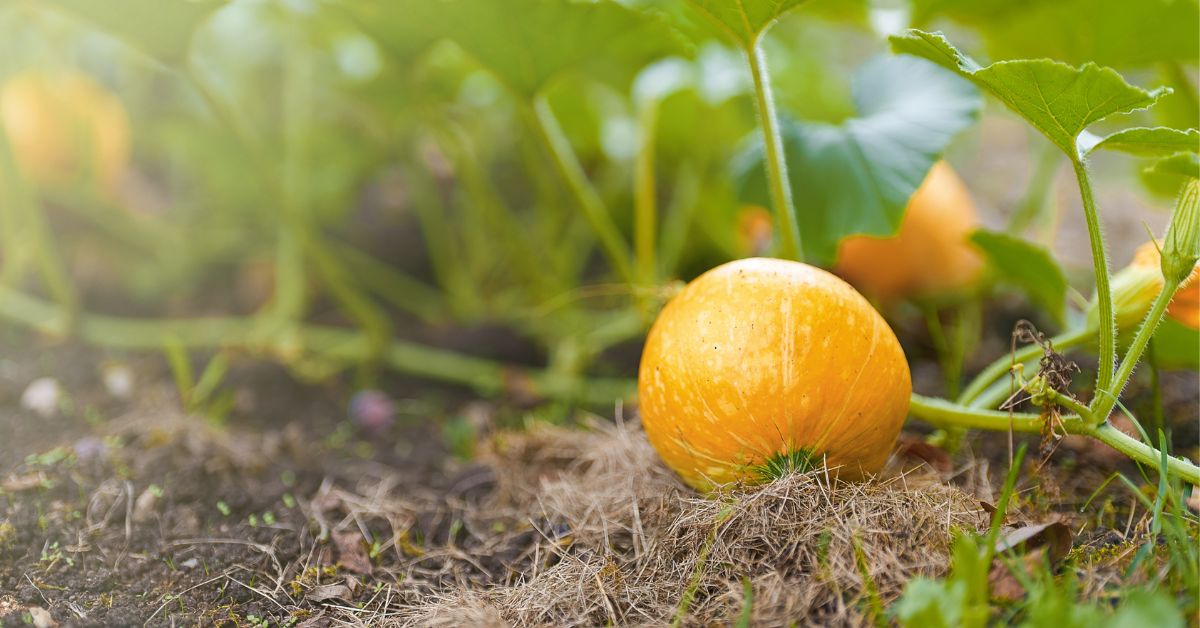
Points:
[[761, 363], [754, 230], [1185, 307], [65, 129], [931, 253]]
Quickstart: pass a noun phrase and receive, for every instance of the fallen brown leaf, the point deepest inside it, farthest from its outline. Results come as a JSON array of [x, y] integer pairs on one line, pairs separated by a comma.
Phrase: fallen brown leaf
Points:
[[1054, 535], [326, 592], [916, 448], [1004, 584], [352, 552], [18, 483]]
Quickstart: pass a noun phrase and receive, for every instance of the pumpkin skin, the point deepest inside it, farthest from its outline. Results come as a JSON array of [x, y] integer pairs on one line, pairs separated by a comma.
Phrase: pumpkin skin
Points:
[[64, 128], [765, 357], [931, 253]]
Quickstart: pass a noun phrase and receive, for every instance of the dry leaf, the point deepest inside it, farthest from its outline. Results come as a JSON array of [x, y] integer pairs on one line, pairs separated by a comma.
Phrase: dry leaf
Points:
[[934, 456], [18, 483], [327, 592], [1004, 585], [352, 552], [1054, 535]]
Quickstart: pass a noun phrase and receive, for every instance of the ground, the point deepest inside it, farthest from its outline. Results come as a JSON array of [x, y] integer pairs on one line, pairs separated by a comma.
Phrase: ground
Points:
[[126, 511]]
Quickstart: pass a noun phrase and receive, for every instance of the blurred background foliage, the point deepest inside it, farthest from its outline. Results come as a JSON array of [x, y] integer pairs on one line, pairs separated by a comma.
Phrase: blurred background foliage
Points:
[[404, 167]]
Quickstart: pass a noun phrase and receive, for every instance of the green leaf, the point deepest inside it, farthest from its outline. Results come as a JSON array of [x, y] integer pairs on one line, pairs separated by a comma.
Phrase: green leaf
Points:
[[1147, 608], [856, 177], [1027, 266], [527, 43], [1176, 346], [1057, 99], [401, 27], [1116, 33], [1179, 164], [744, 20], [1151, 142], [162, 29]]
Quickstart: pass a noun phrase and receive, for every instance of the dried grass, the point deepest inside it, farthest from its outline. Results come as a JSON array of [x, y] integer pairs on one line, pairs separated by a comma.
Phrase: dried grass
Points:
[[620, 541]]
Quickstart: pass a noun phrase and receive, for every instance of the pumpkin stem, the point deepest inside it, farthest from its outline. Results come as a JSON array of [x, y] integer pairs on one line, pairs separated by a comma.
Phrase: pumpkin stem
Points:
[[786, 463]]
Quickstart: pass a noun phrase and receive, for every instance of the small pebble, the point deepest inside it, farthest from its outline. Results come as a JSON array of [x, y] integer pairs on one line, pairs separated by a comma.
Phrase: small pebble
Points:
[[90, 449], [145, 506], [42, 396], [41, 617], [118, 380], [372, 410]]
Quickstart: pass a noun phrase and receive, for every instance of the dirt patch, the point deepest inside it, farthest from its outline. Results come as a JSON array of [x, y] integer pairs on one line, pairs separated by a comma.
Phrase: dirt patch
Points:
[[290, 516]]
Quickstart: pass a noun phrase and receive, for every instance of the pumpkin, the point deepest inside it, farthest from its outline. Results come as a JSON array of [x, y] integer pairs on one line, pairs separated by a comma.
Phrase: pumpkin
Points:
[[65, 129], [931, 254], [764, 365], [754, 230]]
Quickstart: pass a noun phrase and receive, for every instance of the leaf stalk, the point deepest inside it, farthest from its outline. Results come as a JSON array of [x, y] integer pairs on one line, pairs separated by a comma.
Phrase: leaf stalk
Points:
[[790, 246]]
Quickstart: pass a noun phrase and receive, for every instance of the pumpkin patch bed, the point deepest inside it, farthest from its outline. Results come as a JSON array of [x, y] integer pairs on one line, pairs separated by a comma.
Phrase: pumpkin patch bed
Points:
[[629, 538], [152, 515]]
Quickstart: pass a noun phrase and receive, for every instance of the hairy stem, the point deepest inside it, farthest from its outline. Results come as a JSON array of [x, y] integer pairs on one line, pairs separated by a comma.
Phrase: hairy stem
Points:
[[997, 369], [944, 414], [1142, 452], [777, 175], [1108, 321], [1105, 399]]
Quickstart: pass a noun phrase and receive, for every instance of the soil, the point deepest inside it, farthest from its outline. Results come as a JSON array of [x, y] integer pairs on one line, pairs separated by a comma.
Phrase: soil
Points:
[[122, 511]]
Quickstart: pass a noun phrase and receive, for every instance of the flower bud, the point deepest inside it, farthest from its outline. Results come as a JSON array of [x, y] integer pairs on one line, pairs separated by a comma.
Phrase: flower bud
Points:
[[1181, 246]]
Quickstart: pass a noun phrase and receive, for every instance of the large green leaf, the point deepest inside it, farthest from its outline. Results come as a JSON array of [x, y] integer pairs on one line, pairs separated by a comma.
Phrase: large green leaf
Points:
[[160, 28], [1179, 164], [527, 43], [856, 177], [1176, 345], [401, 27], [1117, 33], [1152, 142], [1059, 100], [744, 20], [1028, 267]]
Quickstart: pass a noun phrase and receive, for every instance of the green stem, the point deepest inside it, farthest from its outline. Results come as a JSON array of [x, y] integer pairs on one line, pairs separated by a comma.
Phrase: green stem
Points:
[[1032, 209], [497, 218], [441, 242], [998, 368], [1142, 452], [27, 227], [645, 209], [1108, 321], [341, 345], [550, 134], [401, 290], [777, 176], [679, 215], [1155, 387], [944, 414], [1071, 404], [1106, 398]]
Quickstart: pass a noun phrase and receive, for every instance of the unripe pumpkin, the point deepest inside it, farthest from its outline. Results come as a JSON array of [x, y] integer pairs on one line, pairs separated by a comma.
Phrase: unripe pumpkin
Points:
[[764, 364], [930, 254], [64, 128]]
